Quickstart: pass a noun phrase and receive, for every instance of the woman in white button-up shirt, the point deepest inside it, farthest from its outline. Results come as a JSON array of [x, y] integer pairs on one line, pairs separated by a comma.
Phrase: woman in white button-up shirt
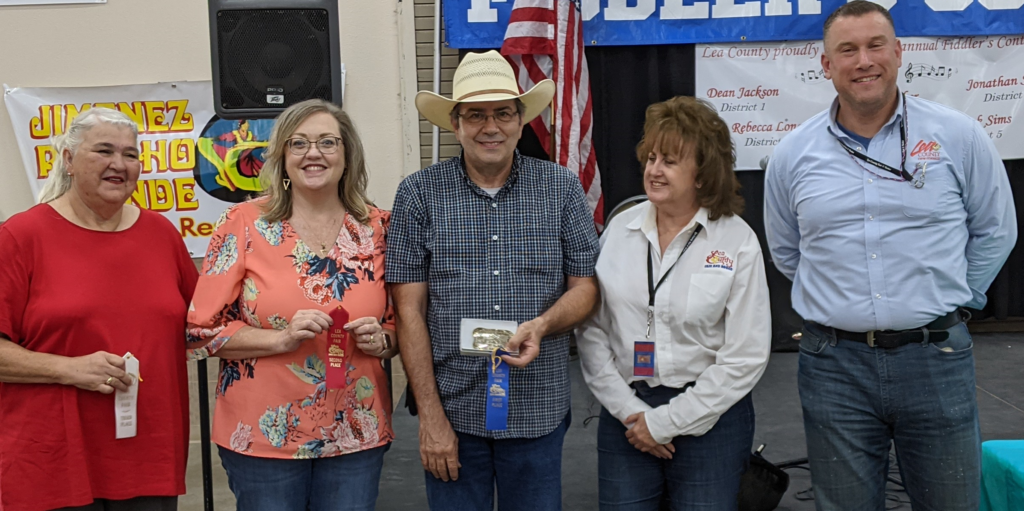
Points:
[[674, 368]]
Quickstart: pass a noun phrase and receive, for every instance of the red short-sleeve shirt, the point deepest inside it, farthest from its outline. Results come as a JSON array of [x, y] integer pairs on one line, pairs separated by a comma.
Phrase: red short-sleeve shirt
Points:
[[70, 291]]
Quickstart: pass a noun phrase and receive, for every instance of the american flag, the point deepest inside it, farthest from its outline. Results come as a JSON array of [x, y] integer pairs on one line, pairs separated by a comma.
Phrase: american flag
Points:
[[544, 39]]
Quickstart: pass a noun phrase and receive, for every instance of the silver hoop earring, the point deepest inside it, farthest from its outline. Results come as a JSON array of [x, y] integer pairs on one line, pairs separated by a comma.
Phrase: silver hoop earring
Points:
[[287, 182]]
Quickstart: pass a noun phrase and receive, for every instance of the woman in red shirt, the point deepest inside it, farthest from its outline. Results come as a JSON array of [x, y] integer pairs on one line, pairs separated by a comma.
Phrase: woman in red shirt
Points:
[[87, 279]]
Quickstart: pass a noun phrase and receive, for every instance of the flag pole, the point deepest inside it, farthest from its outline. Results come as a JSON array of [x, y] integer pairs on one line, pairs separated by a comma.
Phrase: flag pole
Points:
[[552, 154], [435, 132], [204, 434]]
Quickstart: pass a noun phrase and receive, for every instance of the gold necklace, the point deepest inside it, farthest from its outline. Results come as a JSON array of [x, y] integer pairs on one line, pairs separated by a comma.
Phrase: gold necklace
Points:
[[323, 245]]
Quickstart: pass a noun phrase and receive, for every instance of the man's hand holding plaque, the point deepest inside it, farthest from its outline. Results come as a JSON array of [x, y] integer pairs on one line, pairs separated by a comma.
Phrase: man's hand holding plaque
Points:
[[527, 342]]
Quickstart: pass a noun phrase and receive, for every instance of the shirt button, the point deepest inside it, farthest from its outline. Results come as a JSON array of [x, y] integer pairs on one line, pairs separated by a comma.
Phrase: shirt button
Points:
[[878, 296], [496, 272], [495, 237], [871, 180], [871, 217], [497, 307], [494, 204], [873, 256]]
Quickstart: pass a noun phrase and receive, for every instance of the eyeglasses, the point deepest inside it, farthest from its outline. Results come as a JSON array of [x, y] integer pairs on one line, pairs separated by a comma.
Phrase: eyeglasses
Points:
[[300, 146], [476, 118]]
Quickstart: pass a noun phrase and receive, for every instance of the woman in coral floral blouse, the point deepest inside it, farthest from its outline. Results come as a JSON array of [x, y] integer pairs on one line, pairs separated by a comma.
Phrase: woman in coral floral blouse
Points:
[[276, 267]]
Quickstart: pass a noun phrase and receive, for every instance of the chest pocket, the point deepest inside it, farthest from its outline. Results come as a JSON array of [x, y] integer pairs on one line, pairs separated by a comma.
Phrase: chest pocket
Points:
[[940, 191], [535, 239], [455, 249], [538, 253], [706, 297]]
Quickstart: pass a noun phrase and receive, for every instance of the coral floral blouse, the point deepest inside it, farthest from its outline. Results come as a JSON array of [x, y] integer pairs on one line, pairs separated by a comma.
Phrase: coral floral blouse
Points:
[[260, 274]]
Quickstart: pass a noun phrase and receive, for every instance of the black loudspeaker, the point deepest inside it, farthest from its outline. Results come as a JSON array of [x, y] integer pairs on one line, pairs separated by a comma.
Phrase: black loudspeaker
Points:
[[268, 55]]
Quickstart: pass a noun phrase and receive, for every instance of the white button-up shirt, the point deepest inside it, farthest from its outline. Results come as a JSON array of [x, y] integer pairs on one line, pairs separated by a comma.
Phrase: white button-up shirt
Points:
[[712, 320]]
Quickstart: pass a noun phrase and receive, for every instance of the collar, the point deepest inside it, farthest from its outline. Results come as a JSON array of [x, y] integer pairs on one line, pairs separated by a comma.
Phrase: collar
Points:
[[647, 220], [517, 162], [833, 111]]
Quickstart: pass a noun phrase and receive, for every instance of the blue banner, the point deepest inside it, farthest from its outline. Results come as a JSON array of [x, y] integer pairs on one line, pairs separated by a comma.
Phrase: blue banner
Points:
[[497, 393], [481, 24]]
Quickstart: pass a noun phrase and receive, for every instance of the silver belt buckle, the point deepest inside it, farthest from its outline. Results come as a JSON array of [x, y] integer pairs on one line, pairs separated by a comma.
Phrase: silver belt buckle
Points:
[[871, 338]]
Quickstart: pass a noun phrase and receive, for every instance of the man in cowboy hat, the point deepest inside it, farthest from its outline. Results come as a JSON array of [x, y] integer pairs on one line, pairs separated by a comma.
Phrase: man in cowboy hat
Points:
[[490, 235]]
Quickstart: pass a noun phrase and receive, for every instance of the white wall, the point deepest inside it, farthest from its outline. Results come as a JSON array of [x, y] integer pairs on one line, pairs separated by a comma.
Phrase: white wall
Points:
[[145, 41]]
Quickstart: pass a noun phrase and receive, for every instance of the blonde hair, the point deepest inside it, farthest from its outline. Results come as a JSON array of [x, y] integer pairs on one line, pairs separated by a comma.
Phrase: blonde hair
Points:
[[351, 188], [59, 182]]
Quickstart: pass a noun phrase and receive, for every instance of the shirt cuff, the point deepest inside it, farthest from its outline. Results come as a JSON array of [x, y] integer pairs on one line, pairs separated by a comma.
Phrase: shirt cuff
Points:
[[406, 276], [632, 405], [660, 424], [663, 429]]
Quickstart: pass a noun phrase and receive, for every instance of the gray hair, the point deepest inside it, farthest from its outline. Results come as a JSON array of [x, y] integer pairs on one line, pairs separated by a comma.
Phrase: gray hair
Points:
[[59, 182]]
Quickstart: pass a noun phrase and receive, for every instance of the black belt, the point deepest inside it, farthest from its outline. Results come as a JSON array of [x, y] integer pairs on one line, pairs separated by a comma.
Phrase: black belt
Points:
[[936, 331], [642, 386], [657, 396]]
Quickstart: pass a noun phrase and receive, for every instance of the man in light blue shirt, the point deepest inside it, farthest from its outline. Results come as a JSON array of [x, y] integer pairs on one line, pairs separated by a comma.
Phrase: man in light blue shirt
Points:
[[889, 213]]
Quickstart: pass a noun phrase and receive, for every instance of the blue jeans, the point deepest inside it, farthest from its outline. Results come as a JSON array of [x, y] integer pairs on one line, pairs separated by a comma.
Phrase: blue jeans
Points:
[[526, 471], [340, 483], [703, 474], [857, 400]]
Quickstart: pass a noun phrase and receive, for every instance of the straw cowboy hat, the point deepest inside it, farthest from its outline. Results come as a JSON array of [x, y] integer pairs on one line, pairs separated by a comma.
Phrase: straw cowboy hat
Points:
[[484, 77]]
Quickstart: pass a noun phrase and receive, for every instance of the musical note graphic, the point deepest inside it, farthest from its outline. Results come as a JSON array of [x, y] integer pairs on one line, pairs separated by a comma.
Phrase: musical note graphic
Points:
[[928, 71], [812, 76]]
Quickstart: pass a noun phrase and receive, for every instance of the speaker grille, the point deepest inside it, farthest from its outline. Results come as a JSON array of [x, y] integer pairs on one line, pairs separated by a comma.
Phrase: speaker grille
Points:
[[273, 52]]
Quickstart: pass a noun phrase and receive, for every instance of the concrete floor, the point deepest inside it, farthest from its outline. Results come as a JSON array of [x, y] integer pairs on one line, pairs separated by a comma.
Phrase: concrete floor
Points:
[[1000, 373]]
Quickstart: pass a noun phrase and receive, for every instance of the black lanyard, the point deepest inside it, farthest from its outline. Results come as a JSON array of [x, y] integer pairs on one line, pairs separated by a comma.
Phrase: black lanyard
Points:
[[652, 289], [900, 172]]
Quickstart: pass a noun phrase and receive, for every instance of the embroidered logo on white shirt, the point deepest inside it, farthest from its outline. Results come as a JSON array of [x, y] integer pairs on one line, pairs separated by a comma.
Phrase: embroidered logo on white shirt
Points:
[[718, 259]]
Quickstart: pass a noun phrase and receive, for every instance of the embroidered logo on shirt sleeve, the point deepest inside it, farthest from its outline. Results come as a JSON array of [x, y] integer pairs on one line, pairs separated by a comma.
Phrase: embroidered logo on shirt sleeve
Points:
[[718, 259]]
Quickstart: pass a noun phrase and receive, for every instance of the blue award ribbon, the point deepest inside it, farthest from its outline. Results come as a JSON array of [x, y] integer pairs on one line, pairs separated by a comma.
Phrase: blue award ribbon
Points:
[[497, 393]]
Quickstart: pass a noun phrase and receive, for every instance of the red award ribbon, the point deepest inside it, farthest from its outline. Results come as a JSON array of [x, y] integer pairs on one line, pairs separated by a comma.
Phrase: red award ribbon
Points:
[[338, 350]]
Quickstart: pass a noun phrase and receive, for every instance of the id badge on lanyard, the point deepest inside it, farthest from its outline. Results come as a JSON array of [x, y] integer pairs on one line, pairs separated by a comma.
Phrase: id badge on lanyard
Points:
[[644, 351]]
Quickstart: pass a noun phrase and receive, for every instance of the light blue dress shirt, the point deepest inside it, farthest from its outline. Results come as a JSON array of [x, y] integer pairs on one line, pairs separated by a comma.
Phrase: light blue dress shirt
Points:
[[868, 252]]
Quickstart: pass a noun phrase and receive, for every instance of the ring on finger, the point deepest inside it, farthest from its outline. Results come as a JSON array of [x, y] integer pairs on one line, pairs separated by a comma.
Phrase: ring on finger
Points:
[[109, 381]]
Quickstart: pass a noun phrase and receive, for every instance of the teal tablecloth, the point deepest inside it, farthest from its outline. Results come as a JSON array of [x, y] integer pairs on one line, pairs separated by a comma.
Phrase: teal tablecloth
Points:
[[1002, 475]]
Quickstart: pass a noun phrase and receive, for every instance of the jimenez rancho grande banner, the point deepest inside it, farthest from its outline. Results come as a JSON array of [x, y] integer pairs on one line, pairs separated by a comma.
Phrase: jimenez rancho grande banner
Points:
[[193, 163], [764, 91]]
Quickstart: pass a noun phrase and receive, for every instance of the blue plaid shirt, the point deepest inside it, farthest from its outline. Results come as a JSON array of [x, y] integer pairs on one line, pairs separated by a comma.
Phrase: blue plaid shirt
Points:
[[502, 258]]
